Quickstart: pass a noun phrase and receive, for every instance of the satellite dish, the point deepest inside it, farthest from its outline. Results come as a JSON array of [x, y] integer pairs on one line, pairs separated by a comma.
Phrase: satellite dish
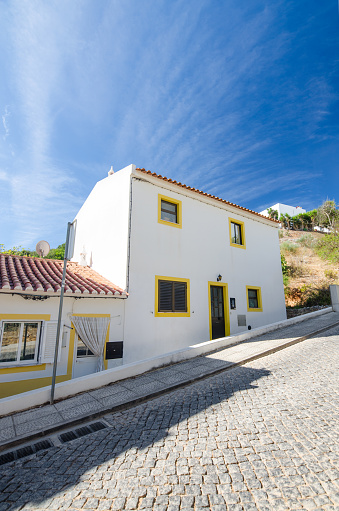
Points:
[[42, 248]]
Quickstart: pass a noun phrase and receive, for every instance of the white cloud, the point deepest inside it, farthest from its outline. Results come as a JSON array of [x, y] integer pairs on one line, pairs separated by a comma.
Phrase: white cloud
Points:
[[5, 123]]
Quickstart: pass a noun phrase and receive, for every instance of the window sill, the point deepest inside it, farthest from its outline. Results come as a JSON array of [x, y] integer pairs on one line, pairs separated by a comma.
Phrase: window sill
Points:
[[172, 314], [237, 245]]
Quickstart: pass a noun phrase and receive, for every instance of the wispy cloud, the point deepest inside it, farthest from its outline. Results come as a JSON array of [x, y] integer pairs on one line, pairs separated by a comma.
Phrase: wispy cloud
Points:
[[5, 122]]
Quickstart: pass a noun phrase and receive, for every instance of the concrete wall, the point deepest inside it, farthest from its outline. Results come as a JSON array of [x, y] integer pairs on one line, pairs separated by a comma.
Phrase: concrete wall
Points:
[[101, 240], [20, 378], [199, 251]]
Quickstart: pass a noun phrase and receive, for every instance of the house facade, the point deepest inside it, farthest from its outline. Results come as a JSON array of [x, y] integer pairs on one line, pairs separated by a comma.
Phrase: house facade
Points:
[[29, 306], [284, 209], [195, 267]]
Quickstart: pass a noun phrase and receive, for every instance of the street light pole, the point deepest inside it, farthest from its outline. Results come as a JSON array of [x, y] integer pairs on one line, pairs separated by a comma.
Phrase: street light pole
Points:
[[66, 257]]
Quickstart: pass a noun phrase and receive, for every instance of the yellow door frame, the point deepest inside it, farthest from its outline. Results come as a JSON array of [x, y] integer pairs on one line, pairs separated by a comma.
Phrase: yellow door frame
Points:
[[226, 306]]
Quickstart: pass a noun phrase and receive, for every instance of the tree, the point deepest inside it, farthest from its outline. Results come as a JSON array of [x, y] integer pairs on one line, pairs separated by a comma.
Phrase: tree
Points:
[[55, 253], [273, 213], [328, 215]]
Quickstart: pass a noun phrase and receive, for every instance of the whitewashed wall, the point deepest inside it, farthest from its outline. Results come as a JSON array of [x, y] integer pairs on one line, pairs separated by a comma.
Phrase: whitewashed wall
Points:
[[200, 251], [102, 227]]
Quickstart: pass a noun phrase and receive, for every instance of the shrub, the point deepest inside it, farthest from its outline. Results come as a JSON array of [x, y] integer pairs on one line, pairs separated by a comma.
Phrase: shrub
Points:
[[330, 274], [307, 240], [328, 248], [318, 296], [288, 246], [295, 270]]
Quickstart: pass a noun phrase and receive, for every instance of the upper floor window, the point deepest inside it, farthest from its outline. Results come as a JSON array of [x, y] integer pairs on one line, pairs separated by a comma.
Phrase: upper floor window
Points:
[[237, 233], [254, 302], [19, 342], [169, 211], [171, 296]]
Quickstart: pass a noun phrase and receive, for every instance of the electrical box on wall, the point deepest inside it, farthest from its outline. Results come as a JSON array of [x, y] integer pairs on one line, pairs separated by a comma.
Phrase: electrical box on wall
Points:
[[232, 303], [114, 350]]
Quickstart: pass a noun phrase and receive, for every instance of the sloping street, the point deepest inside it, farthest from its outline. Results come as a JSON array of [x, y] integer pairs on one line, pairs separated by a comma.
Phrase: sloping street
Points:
[[259, 436]]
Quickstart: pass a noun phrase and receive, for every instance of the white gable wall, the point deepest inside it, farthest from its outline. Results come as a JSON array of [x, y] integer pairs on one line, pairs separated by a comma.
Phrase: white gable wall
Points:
[[101, 239], [200, 251], [284, 209]]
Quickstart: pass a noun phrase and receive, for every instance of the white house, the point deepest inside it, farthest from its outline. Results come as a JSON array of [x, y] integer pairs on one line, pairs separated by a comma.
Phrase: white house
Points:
[[284, 209], [29, 305], [195, 266]]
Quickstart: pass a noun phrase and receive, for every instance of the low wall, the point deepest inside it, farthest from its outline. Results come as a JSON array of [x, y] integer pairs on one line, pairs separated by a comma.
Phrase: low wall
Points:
[[69, 388]]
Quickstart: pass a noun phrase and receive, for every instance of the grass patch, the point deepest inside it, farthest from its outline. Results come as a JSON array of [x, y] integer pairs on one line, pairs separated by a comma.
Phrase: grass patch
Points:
[[307, 240], [328, 248], [288, 247]]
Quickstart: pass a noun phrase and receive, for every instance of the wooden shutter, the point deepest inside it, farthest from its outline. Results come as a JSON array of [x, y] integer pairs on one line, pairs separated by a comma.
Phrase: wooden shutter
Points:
[[165, 295], [180, 292], [48, 342]]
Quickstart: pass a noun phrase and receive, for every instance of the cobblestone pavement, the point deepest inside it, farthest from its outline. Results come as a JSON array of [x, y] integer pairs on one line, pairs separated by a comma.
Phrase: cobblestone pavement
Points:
[[260, 436]]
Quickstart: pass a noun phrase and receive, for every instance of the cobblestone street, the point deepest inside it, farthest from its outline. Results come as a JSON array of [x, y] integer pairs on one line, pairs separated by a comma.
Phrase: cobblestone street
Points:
[[259, 436]]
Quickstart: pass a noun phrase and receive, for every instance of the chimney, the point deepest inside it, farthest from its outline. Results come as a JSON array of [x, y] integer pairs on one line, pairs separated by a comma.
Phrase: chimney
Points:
[[111, 171]]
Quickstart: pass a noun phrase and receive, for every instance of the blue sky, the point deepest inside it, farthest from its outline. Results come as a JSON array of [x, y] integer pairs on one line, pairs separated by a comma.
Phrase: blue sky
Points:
[[238, 98]]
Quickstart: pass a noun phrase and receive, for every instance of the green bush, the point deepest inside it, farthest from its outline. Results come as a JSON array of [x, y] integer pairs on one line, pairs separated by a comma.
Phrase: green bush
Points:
[[288, 246], [307, 240], [318, 296], [328, 248]]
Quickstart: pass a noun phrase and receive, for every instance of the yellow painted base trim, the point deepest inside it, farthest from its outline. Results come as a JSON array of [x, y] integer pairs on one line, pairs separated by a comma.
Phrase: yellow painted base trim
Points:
[[22, 369], [11, 388]]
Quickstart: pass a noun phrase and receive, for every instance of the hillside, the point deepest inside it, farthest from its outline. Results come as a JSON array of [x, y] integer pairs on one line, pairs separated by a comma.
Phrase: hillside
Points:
[[308, 276]]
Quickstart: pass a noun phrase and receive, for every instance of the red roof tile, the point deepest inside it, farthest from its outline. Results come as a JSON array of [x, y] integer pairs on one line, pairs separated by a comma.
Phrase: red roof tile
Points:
[[34, 275], [172, 181]]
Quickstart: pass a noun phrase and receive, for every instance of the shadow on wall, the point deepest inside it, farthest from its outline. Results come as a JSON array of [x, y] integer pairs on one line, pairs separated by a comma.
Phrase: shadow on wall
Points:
[[154, 423]]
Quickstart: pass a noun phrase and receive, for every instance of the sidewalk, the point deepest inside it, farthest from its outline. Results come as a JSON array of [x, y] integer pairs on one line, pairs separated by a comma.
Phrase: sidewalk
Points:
[[25, 426]]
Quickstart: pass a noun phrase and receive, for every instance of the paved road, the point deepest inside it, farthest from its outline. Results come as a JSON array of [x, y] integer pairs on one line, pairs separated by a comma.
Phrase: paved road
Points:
[[260, 436]]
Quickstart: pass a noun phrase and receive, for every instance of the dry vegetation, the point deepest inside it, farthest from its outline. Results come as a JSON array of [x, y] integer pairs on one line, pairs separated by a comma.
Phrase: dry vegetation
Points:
[[308, 276]]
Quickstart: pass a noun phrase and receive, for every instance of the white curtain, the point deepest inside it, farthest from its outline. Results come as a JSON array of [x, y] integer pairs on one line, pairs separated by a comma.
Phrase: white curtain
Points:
[[92, 332]]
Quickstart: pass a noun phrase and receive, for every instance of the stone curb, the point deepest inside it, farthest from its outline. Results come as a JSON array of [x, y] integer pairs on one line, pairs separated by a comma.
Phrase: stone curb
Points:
[[68, 424]]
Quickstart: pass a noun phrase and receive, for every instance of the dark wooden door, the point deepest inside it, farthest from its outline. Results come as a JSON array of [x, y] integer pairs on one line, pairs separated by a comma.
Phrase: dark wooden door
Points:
[[217, 312]]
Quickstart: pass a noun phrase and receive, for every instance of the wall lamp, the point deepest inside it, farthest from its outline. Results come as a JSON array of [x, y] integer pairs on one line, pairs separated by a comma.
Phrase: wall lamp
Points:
[[219, 277]]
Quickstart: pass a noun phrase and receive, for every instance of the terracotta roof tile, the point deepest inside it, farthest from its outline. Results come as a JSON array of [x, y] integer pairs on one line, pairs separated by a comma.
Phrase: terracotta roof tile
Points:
[[21, 274], [153, 174]]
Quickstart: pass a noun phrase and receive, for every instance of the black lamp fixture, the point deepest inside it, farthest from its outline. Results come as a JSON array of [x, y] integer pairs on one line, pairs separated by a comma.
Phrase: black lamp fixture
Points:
[[219, 277]]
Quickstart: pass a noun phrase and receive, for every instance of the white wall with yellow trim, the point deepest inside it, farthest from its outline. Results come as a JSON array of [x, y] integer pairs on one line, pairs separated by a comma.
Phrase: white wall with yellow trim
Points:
[[120, 227], [21, 378]]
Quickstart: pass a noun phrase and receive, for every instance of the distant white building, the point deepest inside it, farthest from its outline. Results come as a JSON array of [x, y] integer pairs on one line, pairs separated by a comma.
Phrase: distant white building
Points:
[[284, 209]]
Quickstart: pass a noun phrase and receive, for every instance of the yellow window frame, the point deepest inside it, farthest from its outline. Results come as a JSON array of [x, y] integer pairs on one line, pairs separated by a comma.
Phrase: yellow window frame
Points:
[[23, 317], [179, 211], [242, 230], [258, 290], [171, 314]]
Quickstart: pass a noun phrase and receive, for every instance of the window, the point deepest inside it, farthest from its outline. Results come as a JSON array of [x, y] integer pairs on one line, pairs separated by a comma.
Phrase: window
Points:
[[20, 342], [171, 297], [169, 211], [82, 349], [254, 302], [237, 233]]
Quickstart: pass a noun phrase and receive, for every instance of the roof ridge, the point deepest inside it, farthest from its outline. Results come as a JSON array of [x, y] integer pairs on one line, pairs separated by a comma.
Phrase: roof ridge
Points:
[[178, 183]]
